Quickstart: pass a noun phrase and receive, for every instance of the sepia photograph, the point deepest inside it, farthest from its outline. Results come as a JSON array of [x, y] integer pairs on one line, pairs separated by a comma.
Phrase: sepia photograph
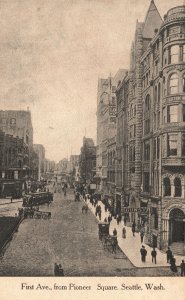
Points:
[[92, 141]]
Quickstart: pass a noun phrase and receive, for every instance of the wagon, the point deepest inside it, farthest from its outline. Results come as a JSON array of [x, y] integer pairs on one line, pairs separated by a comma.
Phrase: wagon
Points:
[[103, 229]]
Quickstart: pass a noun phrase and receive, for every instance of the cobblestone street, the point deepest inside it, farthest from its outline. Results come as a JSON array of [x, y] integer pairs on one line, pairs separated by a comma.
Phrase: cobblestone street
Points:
[[70, 238]]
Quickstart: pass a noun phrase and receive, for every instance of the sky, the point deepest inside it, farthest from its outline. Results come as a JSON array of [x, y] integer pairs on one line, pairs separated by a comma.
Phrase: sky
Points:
[[52, 53]]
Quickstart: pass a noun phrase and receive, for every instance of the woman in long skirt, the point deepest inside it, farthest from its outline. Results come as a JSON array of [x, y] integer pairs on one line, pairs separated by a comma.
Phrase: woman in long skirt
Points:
[[124, 233]]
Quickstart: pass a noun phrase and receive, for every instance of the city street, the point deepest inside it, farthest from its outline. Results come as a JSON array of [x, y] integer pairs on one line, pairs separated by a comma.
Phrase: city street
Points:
[[69, 238]]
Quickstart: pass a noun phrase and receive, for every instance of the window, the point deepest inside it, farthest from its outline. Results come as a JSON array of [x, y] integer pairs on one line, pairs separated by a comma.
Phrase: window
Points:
[[147, 126], [154, 149], [159, 92], [155, 95], [174, 81], [147, 103], [183, 53], [183, 144], [172, 116], [174, 54], [167, 186], [147, 150], [158, 147], [172, 145], [158, 119], [164, 115], [183, 82], [146, 182], [132, 131], [177, 185]]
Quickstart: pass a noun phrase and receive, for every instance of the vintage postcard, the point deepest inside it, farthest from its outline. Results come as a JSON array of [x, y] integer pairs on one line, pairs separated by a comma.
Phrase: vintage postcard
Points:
[[92, 149]]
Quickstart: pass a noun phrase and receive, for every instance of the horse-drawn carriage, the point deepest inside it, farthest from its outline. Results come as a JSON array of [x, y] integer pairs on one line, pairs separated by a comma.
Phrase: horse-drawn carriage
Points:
[[103, 229], [110, 242]]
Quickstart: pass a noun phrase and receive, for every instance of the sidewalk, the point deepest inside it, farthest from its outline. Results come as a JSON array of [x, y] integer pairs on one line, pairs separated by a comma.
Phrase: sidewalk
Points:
[[131, 245], [4, 201]]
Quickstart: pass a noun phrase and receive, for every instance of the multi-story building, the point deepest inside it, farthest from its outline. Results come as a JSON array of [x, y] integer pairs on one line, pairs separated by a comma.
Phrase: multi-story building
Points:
[[163, 143], [87, 161], [40, 151], [106, 132], [17, 123], [151, 130], [121, 162]]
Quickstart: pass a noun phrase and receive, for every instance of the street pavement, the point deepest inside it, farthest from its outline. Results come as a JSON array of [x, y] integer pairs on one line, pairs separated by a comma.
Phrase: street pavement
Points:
[[70, 238], [132, 244]]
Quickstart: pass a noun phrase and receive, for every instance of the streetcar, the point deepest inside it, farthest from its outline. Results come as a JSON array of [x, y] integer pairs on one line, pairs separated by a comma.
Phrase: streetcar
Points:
[[35, 199]]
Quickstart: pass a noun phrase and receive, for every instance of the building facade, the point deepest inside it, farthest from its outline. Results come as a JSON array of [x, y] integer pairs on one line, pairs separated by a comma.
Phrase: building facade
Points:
[[149, 159], [87, 161]]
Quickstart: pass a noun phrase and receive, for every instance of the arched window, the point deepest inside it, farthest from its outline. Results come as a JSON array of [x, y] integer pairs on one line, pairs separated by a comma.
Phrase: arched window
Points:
[[177, 185], [173, 84], [167, 186]]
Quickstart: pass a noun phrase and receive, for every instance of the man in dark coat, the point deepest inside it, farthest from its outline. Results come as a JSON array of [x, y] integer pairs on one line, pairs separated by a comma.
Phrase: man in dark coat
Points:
[[143, 254], [133, 228], [182, 266], [154, 255], [168, 255]]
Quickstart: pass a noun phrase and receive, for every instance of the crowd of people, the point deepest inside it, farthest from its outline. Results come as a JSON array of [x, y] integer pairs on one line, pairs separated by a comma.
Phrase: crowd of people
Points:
[[98, 212]]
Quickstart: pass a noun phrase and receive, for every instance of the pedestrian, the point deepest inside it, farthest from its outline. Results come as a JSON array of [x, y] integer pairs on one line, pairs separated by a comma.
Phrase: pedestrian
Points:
[[11, 199], [143, 253], [124, 233], [142, 236], [173, 266], [106, 207], [105, 220], [154, 255], [133, 228], [115, 232], [125, 220], [60, 270], [182, 266], [56, 269], [99, 214], [109, 219], [118, 219], [168, 255]]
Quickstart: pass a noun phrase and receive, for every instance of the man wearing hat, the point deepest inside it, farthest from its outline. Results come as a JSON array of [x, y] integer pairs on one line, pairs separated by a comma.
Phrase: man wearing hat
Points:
[[143, 253]]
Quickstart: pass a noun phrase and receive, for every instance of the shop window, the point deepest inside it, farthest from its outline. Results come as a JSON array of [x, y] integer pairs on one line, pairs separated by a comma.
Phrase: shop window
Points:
[[174, 54], [172, 116], [177, 185], [173, 84], [172, 145], [167, 186]]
